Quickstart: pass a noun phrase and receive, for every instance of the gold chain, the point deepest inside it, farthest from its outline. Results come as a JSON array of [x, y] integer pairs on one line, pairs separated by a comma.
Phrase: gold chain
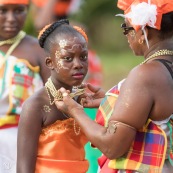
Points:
[[75, 129], [14, 39], [57, 95], [158, 53], [50, 87]]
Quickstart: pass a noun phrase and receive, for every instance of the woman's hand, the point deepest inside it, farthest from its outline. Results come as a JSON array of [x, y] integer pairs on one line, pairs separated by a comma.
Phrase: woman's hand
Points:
[[93, 97]]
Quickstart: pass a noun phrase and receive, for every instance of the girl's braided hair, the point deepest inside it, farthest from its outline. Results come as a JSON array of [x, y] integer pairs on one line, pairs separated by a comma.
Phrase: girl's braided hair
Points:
[[62, 27], [48, 29]]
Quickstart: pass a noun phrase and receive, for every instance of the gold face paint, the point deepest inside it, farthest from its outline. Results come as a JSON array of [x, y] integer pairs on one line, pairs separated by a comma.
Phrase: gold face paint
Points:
[[66, 45], [62, 44], [132, 33], [46, 108], [60, 65], [57, 54]]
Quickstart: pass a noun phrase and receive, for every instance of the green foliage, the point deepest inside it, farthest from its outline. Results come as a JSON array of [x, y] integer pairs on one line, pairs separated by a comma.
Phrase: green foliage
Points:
[[91, 10], [116, 66]]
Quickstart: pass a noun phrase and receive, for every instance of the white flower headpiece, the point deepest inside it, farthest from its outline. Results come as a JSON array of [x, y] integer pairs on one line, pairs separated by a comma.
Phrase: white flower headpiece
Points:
[[143, 14]]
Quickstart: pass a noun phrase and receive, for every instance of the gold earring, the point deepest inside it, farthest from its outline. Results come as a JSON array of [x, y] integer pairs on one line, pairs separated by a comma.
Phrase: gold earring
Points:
[[140, 41]]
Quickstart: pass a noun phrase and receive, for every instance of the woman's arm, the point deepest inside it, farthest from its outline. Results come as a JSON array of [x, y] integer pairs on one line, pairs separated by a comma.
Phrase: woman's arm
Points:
[[131, 110]]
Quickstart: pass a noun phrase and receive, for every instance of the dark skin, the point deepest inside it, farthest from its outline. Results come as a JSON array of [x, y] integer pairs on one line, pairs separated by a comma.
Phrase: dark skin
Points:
[[74, 66], [12, 18], [146, 93]]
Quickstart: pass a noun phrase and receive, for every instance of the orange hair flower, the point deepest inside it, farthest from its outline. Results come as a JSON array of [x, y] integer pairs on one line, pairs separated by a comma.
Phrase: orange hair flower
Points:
[[81, 31], [26, 2], [44, 29]]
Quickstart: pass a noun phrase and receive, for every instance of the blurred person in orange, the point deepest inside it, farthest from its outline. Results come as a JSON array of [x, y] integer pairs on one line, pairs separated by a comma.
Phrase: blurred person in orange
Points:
[[47, 11]]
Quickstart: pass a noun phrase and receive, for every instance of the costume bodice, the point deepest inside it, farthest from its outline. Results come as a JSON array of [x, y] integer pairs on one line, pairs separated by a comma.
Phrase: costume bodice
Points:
[[18, 80], [61, 150]]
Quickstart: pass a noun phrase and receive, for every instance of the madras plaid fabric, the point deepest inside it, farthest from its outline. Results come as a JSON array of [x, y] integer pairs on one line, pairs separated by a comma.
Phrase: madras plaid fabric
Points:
[[22, 86], [18, 81], [170, 157], [106, 107], [147, 152]]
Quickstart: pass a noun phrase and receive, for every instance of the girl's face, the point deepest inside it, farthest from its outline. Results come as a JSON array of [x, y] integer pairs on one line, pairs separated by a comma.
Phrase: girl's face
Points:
[[12, 18], [70, 60]]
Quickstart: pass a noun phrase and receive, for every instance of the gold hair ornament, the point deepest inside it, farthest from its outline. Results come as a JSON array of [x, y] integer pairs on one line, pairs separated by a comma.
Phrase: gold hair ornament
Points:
[[158, 53]]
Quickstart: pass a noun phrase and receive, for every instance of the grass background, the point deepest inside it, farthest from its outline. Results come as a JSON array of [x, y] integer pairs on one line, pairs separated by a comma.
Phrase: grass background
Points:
[[116, 66]]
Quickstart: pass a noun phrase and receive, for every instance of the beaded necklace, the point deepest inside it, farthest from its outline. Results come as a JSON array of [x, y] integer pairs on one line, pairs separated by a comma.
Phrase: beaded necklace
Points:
[[50, 88], [158, 53], [12, 40]]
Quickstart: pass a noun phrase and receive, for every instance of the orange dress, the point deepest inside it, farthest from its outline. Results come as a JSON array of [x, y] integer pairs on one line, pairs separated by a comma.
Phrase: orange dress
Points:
[[61, 150]]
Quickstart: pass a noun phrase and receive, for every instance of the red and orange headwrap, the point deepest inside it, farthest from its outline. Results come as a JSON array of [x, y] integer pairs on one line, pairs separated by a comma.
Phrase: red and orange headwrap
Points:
[[141, 13], [61, 8], [26, 2]]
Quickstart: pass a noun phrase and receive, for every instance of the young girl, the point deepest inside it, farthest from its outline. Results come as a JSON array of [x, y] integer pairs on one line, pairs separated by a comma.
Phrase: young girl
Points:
[[49, 140]]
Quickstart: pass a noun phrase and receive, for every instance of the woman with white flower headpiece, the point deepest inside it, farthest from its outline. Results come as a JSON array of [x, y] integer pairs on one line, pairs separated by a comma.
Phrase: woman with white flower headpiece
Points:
[[135, 118]]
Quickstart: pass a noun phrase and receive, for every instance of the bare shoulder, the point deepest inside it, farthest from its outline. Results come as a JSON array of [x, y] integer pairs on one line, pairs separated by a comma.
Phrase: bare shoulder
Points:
[[31, 44], [146, 74], [30, 50], [33, 105]]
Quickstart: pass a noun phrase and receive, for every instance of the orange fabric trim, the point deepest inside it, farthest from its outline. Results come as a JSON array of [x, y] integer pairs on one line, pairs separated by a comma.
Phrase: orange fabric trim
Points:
[[14, 2], [61, 8]]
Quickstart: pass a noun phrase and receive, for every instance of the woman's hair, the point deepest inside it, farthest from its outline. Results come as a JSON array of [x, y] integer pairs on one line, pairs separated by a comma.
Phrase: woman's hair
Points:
[[49, 33], [166, 30]]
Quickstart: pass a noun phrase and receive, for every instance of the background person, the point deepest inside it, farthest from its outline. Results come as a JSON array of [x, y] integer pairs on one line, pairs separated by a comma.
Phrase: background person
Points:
[[22, 72], [52, 10], [135, 118], [56, 142]]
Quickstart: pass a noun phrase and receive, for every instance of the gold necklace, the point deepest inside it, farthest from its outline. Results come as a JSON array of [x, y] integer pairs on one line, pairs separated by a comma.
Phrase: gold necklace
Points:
[[14, 39], [50, 87], [158, 53], [57, 95]]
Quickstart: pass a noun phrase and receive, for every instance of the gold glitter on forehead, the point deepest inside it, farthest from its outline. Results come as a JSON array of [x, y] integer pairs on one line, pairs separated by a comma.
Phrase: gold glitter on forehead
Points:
[[62, 43]]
